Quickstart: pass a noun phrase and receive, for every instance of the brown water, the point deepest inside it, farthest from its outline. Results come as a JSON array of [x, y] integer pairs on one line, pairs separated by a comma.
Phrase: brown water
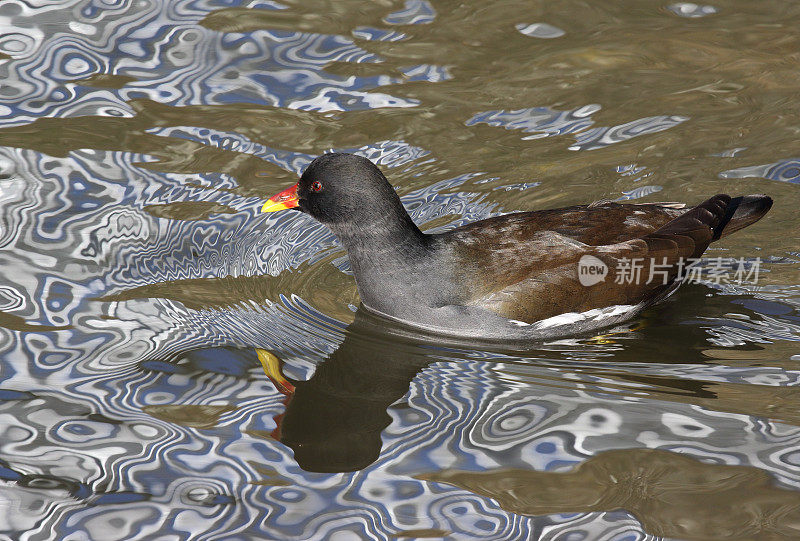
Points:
[[137, 142]]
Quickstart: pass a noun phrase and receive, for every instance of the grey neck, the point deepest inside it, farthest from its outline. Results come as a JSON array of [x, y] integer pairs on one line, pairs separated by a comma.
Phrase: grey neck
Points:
[[390, 260], [395, 240]]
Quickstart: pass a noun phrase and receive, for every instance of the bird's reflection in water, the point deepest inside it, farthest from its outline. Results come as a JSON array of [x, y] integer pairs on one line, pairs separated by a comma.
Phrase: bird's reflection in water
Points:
[[333, 421]]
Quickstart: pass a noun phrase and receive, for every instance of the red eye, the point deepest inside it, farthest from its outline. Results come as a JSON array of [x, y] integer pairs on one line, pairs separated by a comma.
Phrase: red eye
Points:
[[316, 186]]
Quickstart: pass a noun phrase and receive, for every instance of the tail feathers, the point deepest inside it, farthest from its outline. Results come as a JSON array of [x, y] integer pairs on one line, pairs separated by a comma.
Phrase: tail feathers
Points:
[[698, 224], [713, 219], [741, 212]]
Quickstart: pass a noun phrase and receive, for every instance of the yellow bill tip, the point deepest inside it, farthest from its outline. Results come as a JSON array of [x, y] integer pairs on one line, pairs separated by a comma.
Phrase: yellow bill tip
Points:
[[272, 368], [273, 206]]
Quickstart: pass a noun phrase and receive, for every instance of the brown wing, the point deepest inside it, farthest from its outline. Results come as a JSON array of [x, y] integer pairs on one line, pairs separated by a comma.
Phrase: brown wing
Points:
[[601, 223], [531, 275]]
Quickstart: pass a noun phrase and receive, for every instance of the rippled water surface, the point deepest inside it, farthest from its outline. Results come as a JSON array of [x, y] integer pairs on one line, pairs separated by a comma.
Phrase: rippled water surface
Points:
[[138, 139]]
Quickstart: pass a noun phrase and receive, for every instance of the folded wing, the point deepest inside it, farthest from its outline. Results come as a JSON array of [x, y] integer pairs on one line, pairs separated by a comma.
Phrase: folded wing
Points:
[[639, 270]]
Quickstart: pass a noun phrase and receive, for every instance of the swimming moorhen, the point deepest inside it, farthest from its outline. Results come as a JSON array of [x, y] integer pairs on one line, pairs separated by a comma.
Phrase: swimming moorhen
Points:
[[510, 277]]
